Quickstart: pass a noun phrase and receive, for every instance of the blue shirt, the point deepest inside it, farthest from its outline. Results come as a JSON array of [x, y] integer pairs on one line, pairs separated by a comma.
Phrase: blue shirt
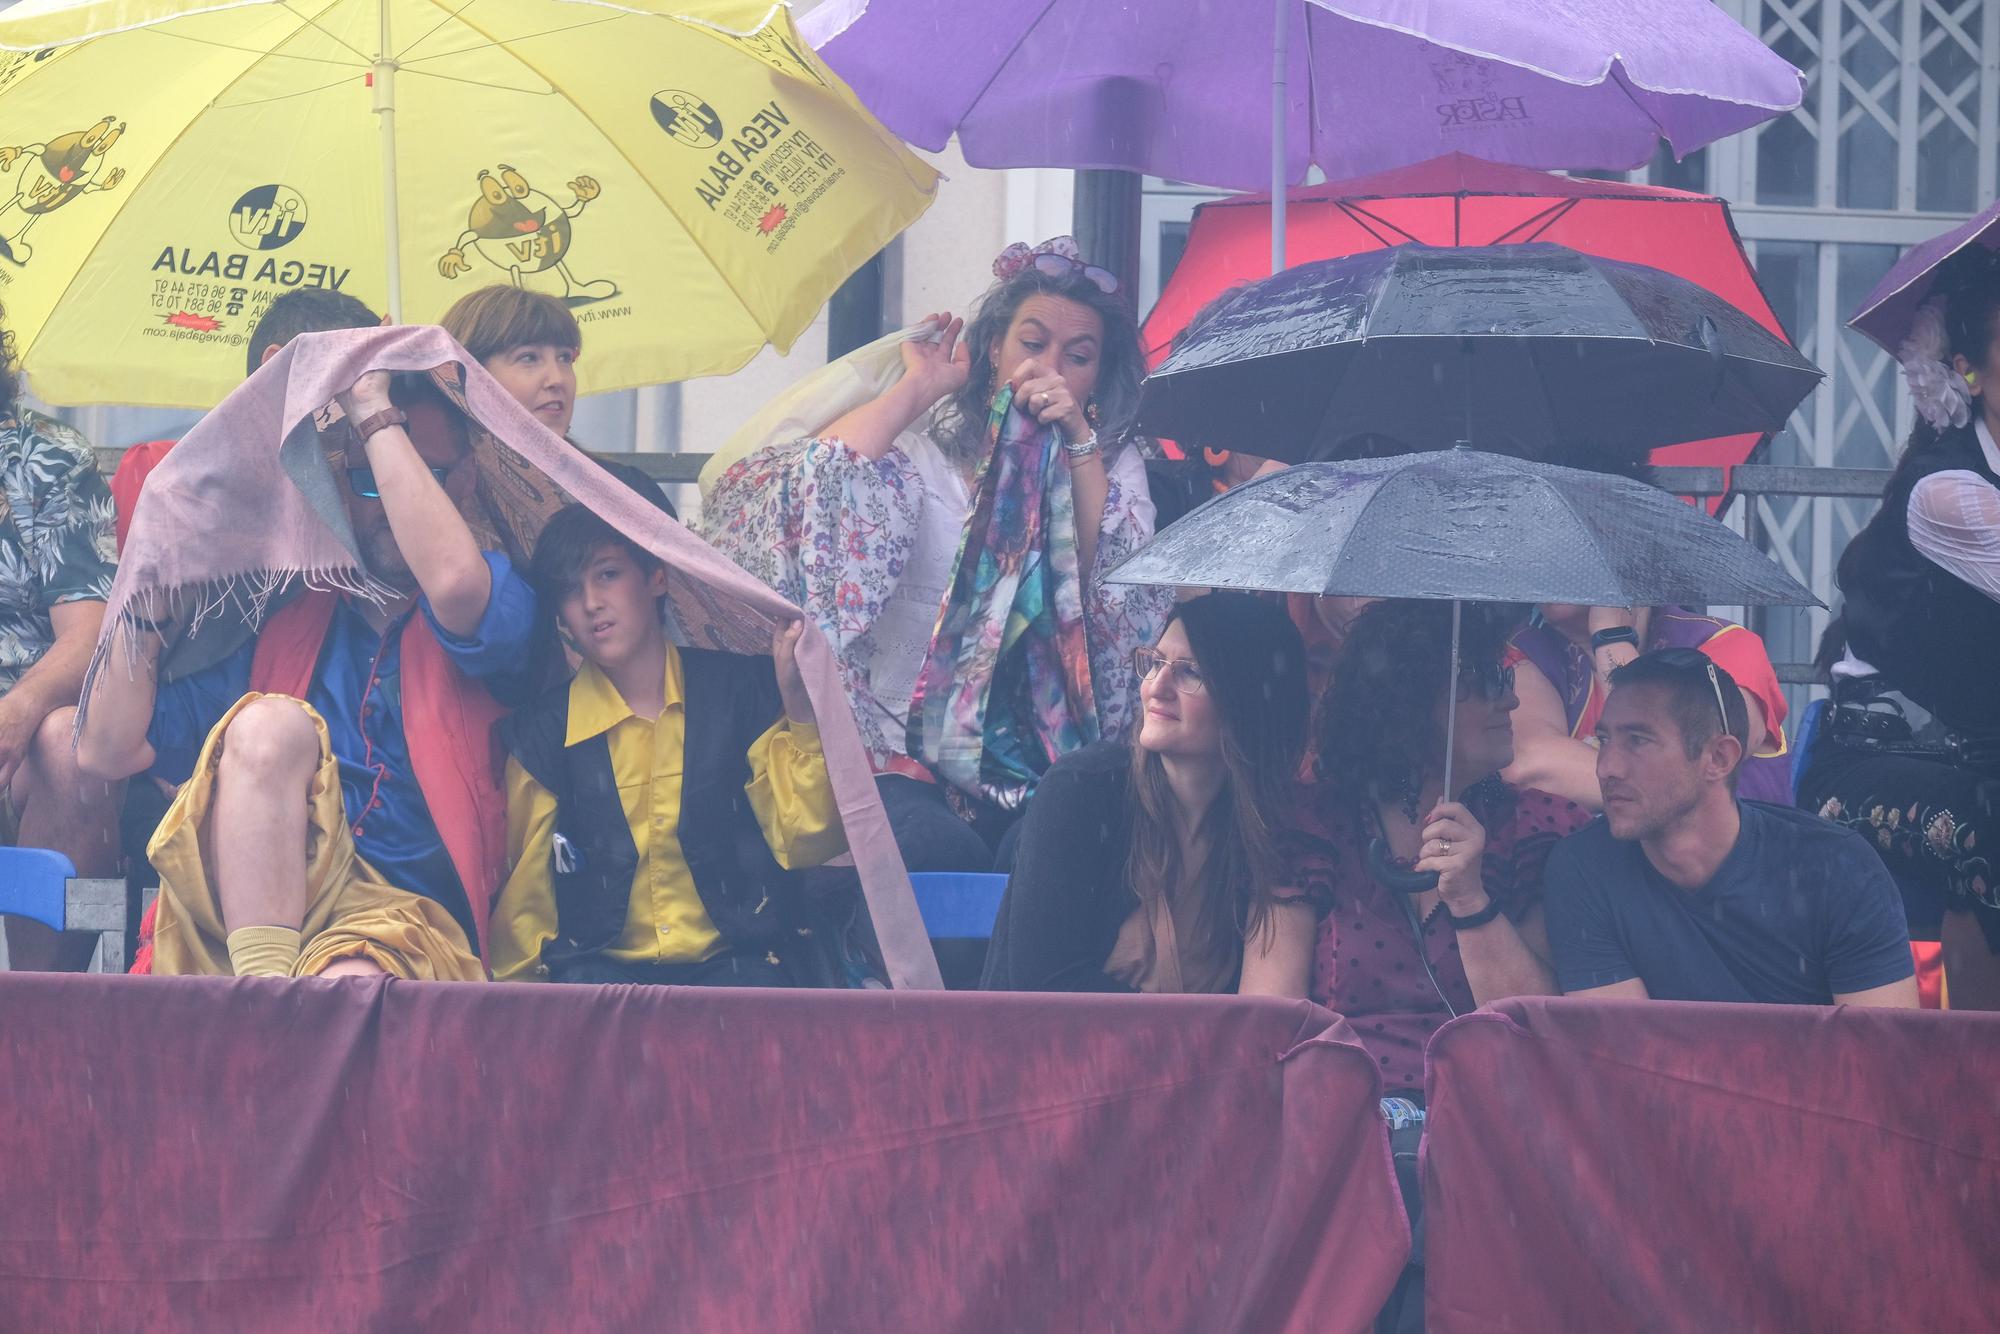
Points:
[[1800, 910], [357, 688]]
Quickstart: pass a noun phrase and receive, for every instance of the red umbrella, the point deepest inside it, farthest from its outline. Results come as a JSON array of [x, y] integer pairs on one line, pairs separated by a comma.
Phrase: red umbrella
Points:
[[1461, 200]]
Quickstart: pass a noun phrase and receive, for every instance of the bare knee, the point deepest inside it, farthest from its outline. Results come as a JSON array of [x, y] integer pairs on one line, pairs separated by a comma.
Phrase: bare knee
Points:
[[271, 738]]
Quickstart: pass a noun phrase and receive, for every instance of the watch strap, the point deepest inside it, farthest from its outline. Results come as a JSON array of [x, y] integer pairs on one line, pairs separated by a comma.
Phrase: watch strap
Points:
[[1480, 918], [1617, 634], [380, 421]]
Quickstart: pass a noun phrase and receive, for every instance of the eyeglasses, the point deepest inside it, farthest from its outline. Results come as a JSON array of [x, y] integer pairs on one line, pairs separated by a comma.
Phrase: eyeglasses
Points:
[[1183, 675], [1689, 659], [1056, 266], [362, 481], [1488, 680]]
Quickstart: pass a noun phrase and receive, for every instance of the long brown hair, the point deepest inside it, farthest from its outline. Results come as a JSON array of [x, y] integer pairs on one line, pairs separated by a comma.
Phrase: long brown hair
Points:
[[1253, 665]]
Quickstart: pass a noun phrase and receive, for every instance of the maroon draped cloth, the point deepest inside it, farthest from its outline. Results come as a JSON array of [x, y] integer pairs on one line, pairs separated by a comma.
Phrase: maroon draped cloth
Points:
[[192, 1153], [1661, 1166]]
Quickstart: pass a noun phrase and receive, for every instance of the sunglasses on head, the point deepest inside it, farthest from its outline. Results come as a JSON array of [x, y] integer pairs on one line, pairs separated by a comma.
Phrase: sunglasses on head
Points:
[[361, 481], [1057, 266], [1693, 659]]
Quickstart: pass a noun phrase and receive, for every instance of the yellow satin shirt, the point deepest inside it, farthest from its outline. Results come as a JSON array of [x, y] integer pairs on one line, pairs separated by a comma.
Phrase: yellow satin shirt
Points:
[[666, 922]]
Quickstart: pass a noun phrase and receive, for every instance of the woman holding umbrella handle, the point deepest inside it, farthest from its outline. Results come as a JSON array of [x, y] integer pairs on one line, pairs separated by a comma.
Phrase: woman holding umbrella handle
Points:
[[1399, 964]]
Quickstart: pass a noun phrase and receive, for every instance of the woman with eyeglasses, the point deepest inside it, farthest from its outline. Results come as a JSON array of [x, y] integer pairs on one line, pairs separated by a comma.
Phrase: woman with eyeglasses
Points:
[[863, 523], [1400, 961], [1146, 866]]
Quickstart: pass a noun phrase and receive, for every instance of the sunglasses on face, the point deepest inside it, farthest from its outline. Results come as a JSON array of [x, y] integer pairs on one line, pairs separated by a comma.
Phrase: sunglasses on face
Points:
[[1693, 659], [361, 481], [1487, 680], [1183, 675], [1057, 266]]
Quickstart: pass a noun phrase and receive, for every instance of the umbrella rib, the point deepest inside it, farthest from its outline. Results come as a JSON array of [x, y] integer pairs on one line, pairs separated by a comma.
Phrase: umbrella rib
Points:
[[498, 45], [220, 105], [546, 90], [1541, 222], [403, 55], [1358, 214], [314, 24], [164, 30]]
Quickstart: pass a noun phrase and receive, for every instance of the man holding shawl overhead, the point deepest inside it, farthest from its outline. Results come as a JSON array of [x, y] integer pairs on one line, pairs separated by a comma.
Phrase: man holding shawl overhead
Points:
[[353, 728], [385, 552]]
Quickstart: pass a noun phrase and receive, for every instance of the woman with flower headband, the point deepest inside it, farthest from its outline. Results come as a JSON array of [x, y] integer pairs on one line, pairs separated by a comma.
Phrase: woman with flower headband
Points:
[[1922, 620], [950, 533]]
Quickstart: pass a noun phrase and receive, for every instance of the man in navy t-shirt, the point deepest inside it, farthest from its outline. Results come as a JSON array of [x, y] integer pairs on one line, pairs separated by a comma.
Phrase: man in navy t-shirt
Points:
[[1683, 892]]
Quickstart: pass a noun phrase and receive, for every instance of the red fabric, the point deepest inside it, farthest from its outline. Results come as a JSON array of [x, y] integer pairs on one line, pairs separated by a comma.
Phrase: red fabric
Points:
[[1929, 958], [129, 478], [449, 720], [1460, 200], [1611, 1165], [252, 1154]]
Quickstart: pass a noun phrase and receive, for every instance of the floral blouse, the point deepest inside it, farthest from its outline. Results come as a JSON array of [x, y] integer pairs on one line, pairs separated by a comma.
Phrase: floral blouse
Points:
[[869, 547]]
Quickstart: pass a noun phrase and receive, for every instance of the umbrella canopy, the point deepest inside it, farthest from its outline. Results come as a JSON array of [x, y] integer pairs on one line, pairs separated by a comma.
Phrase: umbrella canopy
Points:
[[1459, 200], [1891, 308], [1533, 349], [1462, 524], [685, 174], [1184, 90]]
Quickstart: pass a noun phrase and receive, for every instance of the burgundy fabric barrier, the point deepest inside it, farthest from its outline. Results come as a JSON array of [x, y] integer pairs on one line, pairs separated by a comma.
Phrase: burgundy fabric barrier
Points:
[[249, 1155], [1645, 1165]]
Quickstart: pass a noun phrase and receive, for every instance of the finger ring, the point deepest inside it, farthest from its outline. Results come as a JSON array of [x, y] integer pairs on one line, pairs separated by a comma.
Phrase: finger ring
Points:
[[1444, 845], [1041, 400]]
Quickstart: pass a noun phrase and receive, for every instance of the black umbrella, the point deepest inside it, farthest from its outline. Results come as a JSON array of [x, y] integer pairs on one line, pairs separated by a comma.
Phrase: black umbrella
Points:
[[1533, 349], [1463, 525]]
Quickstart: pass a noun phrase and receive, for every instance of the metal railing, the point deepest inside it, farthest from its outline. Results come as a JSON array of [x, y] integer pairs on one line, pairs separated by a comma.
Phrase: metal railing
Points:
[[1751, 483]]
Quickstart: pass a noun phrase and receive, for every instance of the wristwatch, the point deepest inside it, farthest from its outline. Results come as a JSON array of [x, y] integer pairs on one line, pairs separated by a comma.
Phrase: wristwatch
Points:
[[1480, 918], [1617, 634], [380, 421]]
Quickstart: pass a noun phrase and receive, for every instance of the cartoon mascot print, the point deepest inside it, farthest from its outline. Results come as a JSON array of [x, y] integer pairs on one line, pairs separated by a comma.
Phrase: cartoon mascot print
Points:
[[518, 229], [51, 175]]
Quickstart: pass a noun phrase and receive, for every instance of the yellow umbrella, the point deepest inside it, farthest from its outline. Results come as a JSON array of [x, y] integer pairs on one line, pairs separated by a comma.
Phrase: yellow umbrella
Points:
[[688, 176]]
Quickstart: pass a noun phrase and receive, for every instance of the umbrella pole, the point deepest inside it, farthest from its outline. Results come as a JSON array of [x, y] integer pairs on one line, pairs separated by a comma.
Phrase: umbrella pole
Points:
[[1451, 704], [383, 75], [1278, 66]]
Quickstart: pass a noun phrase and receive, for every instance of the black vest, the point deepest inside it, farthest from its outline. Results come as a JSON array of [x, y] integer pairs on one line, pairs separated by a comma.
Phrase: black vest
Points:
[[729, 701], [1933, 636]]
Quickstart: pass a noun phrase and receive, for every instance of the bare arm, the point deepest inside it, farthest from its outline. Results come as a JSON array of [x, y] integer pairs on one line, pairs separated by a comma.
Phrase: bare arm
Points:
[[113, 742], [1277, 958], [53, 682], [932, 368], [1499, 961], [439, 548], [1631, 988], [1896, 996], [1546, 756]]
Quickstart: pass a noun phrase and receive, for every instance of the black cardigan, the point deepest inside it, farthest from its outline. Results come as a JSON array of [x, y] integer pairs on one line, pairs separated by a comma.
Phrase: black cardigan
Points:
[[1067, 896]]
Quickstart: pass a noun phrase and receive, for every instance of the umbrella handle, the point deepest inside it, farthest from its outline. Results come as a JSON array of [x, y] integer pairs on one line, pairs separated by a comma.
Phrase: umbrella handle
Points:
[[1391, 876]]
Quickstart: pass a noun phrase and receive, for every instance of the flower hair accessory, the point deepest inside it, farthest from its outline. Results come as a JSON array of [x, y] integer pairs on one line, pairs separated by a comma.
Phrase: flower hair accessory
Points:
[[1941, 396], [1057, 255]]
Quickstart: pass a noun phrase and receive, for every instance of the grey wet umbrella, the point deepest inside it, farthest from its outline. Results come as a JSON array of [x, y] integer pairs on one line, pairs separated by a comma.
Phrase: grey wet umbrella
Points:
[[1464, 525], [1534, 350]]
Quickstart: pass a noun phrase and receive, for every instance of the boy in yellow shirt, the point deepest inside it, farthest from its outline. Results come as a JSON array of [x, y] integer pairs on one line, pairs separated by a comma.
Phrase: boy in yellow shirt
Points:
[[656, 802]]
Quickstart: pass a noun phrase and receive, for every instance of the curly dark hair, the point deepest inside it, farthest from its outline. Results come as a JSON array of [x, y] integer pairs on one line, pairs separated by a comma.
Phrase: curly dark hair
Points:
[[10, 374], [961, 419], [1381, 732]]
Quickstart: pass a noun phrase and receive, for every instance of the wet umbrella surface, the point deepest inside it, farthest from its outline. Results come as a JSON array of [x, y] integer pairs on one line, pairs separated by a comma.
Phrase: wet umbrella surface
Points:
[[1534, 350], [1463, 524]]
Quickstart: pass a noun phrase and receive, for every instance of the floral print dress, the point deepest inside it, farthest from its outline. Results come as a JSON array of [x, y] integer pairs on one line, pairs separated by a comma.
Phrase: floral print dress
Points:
[[868, 547]]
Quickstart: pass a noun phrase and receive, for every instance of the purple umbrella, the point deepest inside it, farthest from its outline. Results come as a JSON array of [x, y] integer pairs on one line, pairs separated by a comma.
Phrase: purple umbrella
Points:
[[1356, 86], [1891, 308]]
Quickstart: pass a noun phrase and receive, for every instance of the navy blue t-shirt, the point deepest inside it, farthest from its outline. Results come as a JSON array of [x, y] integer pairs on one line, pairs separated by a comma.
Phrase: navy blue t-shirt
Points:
[[1800, 909]]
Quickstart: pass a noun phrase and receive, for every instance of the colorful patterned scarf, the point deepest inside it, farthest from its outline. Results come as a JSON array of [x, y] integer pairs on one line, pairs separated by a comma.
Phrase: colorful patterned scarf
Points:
[[1005, 686]]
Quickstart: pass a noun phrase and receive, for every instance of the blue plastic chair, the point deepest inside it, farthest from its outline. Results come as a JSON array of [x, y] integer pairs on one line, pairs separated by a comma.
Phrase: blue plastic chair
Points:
[[958, 905], [42, 885]]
